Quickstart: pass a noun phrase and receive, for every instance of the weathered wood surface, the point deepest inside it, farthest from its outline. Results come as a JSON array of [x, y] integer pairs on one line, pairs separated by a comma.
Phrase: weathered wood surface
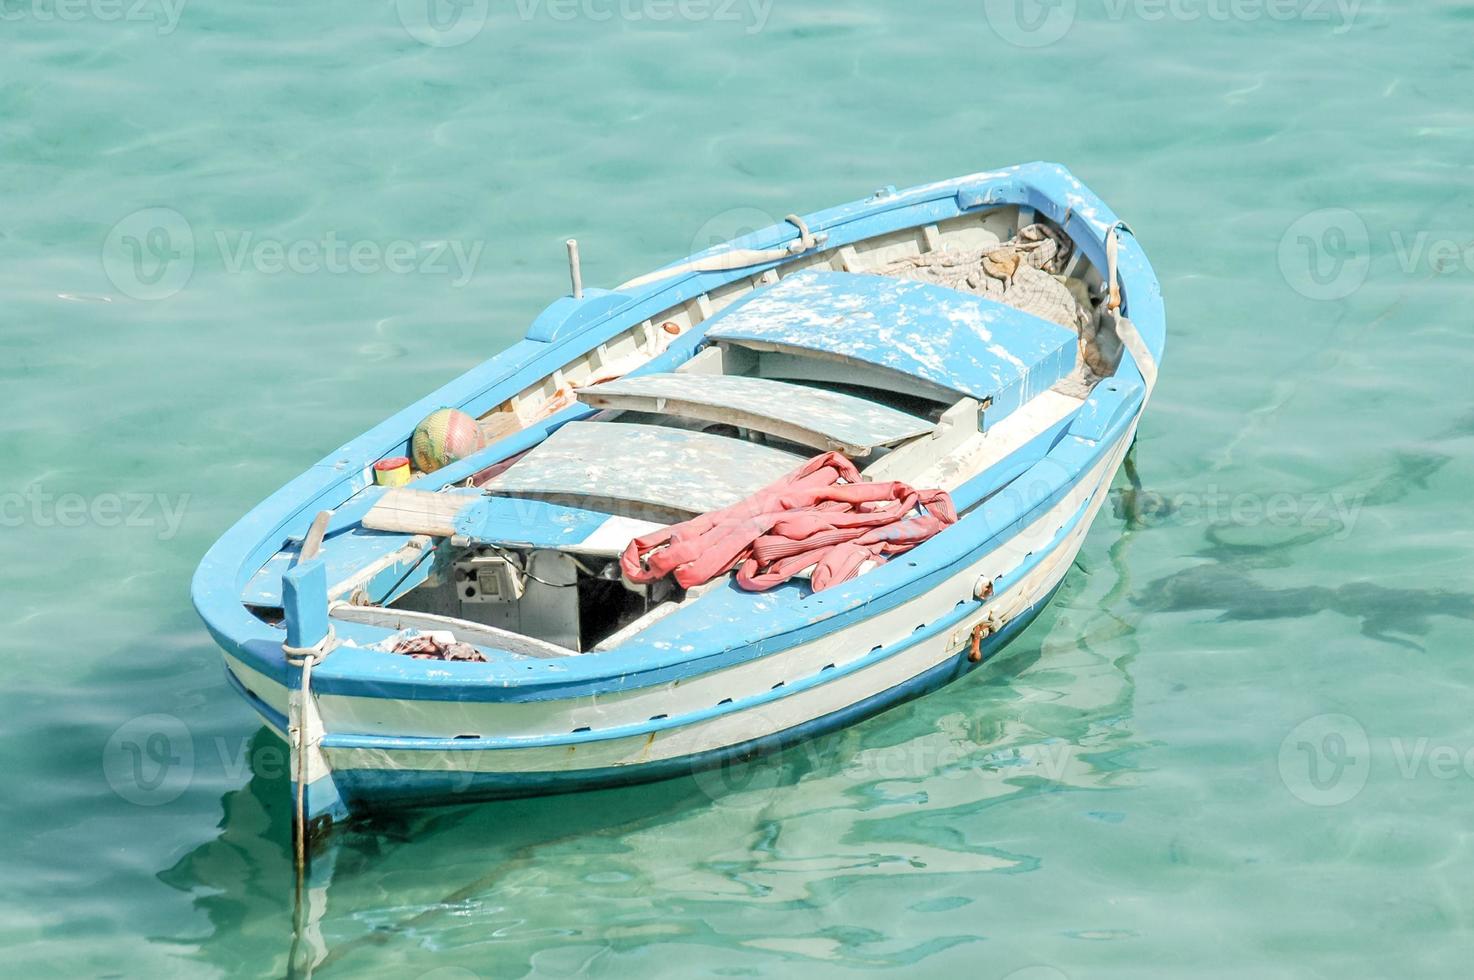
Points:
[[417, 512], [672, 469], [959, 342], [802, 414], [528, 523]]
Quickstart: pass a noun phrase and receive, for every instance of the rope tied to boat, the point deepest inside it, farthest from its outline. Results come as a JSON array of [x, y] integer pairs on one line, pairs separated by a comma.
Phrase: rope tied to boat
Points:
[[1125, 329], [1113, 265], [304, 659], [739, 258], [805, 241], [315, 654]]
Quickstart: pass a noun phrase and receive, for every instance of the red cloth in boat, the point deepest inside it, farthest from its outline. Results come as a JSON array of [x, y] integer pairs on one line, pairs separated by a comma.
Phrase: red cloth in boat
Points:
[[821, 516]]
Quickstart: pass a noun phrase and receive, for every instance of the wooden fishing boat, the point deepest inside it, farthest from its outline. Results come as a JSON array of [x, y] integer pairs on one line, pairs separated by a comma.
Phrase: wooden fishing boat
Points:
[[995, 336]]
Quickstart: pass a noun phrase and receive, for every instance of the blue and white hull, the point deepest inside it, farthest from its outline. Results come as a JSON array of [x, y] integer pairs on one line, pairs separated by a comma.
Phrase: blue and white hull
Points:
[[725, 675]]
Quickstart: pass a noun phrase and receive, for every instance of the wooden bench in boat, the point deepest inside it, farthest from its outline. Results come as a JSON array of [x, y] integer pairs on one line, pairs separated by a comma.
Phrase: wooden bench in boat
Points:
[[661, 471], [517, 522], [899, 335], [808, 416]]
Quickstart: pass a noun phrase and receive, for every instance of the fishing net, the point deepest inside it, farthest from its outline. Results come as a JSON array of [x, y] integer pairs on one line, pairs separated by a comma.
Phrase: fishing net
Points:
[[1021, 272]]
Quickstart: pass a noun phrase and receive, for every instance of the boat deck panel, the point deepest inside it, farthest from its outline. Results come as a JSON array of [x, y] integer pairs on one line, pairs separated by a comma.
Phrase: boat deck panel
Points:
[[800, 413], [343, 554], [595, 463], [520, 522], [956, 341]]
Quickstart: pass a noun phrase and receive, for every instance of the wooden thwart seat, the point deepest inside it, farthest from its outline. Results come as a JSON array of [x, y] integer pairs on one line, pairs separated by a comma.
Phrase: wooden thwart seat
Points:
[[808, 416], [912, 337], [603, 464]]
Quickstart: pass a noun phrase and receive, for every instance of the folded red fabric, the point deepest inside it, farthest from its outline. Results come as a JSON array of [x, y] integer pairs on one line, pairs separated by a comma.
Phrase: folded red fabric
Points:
[[821, 516]]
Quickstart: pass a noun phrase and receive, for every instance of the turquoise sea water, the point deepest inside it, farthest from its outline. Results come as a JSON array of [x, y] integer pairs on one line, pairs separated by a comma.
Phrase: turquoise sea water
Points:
[[1239, 742]]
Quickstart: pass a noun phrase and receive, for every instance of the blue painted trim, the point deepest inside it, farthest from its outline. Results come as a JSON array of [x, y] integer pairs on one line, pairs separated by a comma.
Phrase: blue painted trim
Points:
[[1115, 400], [568, 317], [343, 554], [527, 522], [274, 719], [323, 803], [305, 603], [364, 788]]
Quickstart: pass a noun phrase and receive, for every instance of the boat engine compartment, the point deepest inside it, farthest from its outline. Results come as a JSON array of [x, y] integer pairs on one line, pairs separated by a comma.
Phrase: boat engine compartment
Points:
[[950, 356]]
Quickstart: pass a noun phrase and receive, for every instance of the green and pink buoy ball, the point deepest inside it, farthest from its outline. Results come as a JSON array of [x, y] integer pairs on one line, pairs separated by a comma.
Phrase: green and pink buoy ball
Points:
[[444, 437]]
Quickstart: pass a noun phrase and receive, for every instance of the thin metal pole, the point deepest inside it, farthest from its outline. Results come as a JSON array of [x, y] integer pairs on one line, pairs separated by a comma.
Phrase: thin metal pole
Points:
[[574, 269]]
